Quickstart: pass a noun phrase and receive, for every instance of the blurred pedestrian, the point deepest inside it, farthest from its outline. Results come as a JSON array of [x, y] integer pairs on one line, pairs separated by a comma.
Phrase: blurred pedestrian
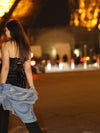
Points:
[[16, 68], [57, 59], [65, 58]]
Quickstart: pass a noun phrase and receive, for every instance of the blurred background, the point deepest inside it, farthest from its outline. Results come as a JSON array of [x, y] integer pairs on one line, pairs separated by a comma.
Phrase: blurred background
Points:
[[64, 34], [64, 37]]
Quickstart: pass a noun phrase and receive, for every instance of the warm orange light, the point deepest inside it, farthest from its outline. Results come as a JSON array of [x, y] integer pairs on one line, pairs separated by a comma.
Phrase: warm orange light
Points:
[[22, 8], [82, 5], [5, 5], [76, 21], [94, 22], [85, 59], [83, 15], [87, 14], [80, 10], [99, 26], [96, 12], [33, 63], [43, 61]]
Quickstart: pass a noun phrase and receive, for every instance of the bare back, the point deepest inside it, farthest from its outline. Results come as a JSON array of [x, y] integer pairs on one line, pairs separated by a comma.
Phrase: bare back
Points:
[[12, 49]]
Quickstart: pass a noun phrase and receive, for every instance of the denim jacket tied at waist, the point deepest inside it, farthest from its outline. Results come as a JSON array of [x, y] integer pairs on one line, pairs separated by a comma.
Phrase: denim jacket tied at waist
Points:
[[19, 100]]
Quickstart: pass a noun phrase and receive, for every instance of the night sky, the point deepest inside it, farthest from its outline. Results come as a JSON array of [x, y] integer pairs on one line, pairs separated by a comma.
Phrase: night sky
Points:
[[54, 13]]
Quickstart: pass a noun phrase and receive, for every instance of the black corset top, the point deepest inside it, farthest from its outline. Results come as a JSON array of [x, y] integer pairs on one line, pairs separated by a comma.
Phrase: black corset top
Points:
[[16, 75]]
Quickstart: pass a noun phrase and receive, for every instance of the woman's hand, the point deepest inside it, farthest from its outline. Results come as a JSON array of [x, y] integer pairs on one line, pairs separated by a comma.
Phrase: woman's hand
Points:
[[33, 88]]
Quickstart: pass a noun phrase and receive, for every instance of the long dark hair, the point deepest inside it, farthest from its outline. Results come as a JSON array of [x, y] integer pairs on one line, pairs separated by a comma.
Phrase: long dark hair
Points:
[[18, 35]]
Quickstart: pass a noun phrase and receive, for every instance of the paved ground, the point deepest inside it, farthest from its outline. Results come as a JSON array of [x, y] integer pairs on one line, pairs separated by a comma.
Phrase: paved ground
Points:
[[68, 103]]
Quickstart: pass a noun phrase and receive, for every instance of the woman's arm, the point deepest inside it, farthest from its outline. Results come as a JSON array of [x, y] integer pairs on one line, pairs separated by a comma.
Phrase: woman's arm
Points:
[[5, 63], [28, 72]]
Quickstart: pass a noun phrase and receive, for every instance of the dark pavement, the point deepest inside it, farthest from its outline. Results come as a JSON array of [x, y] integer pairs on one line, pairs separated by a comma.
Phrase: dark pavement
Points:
[[68, 103]]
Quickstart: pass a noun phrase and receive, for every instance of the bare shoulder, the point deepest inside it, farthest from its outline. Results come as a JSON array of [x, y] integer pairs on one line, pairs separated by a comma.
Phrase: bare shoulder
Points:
[[4, 49], [5, 44]]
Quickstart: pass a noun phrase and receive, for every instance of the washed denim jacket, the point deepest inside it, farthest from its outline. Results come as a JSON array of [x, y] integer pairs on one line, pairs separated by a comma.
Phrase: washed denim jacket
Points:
[[19, 100]]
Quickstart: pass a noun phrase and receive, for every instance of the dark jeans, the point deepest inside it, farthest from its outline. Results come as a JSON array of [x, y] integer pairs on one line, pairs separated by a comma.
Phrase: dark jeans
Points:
[[33, 127], [4, 120]]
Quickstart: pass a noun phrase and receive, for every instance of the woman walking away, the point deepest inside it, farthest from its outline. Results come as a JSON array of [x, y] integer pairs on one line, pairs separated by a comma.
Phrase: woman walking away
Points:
[[16, 69]]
